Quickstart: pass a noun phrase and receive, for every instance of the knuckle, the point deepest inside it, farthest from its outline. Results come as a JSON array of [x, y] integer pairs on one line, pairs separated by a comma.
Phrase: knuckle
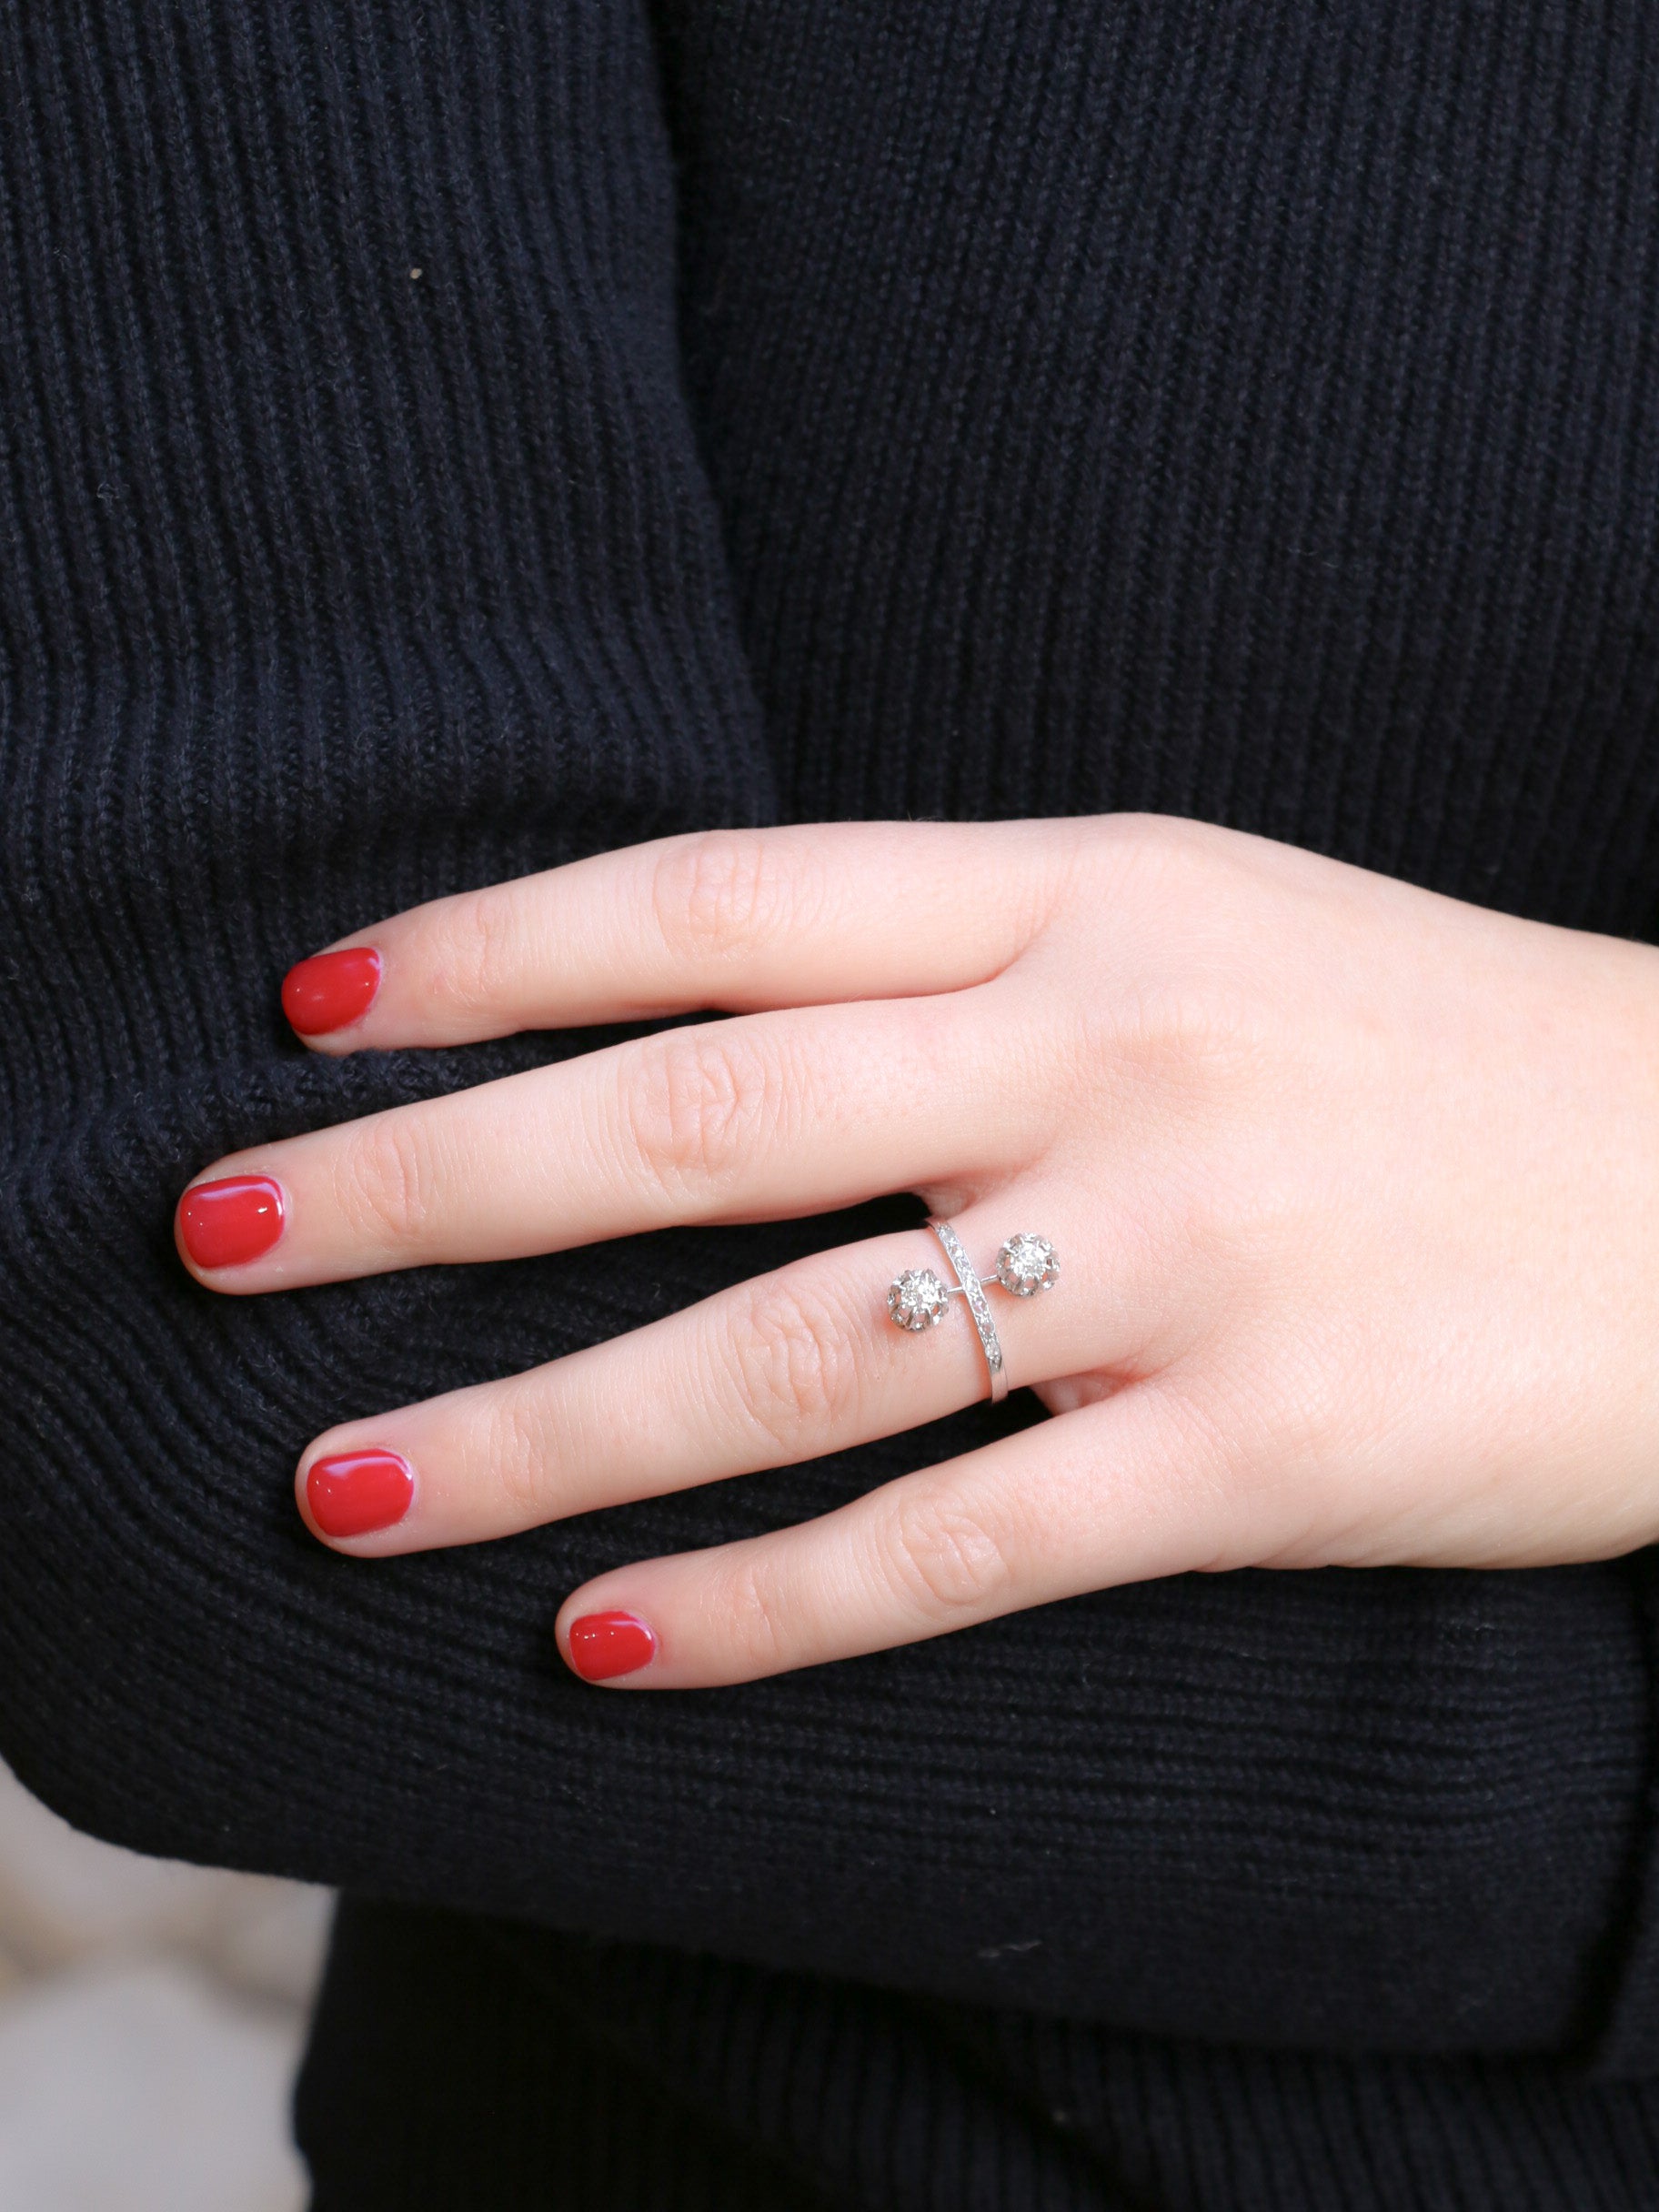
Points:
[[697, 1103], [795, 1358], [712, 894], [383, 1184], [942, 1556], [519, 1457], [482, 952], [1190, 1048], [749, 1606], [1162, 1031]]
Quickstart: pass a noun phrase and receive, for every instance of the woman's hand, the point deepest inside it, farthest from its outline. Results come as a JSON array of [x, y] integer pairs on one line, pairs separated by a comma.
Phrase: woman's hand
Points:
[[1355, 1191]]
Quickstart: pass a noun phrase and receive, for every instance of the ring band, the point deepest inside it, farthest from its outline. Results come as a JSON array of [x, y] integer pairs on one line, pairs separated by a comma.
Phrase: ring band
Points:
[[917, 1299], [991, 1343]]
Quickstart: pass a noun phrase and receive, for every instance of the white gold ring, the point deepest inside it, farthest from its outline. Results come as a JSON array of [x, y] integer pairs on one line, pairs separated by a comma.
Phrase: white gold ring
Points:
[[919, 1299]]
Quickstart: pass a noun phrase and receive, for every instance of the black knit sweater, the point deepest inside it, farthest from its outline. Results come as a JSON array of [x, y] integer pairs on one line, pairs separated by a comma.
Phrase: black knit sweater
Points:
[[438, 439]]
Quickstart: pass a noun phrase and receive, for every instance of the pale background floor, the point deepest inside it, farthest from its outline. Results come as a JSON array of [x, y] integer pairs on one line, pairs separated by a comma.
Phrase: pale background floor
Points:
[[150, 2022]]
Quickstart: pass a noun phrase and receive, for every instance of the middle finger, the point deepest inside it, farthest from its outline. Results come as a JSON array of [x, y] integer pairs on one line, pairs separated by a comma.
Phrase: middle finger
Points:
[[767, 1115]]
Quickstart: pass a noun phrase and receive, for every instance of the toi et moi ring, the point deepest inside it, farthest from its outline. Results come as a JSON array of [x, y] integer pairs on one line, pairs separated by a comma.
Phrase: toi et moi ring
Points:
[[919, 1299]]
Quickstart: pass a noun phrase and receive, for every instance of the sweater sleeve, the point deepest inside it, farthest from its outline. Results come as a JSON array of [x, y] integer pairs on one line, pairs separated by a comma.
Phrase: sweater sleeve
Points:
[[354, 548]]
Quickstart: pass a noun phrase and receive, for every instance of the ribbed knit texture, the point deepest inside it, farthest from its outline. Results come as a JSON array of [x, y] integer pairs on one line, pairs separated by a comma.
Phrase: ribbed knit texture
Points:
[[1017, 407], [568, 2073]]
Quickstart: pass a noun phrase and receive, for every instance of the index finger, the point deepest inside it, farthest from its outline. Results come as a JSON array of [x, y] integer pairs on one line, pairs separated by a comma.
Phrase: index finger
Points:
[[736, 920]]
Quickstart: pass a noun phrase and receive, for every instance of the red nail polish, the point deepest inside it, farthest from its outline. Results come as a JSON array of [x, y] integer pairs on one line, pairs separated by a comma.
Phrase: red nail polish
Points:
[[351, 1493], [607, 1643], [231, 1221], [331, 989]]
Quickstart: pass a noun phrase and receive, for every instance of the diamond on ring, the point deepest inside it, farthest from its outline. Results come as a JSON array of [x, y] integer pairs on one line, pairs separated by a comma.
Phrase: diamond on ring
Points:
[[1027, 1264], [917, 1299]]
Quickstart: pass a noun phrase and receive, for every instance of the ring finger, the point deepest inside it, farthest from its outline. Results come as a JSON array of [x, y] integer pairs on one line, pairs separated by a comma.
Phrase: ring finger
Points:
[[781, 1369]]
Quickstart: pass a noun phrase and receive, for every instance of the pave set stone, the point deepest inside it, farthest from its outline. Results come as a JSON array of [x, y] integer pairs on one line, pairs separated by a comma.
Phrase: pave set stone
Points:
[[974, 1292]]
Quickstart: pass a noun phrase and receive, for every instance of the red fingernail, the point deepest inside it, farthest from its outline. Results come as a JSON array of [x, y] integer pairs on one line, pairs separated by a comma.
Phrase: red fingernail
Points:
[[231, 1221], [607, 1643], [351, 1493], [331, 989]]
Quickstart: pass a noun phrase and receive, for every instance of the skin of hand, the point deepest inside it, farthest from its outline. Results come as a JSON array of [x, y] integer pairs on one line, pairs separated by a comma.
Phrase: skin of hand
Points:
[[1355, 1189]]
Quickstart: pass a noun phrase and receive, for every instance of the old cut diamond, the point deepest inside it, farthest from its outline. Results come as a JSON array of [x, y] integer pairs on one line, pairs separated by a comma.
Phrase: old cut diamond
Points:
[[1027, 1264], [917, 1299]]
